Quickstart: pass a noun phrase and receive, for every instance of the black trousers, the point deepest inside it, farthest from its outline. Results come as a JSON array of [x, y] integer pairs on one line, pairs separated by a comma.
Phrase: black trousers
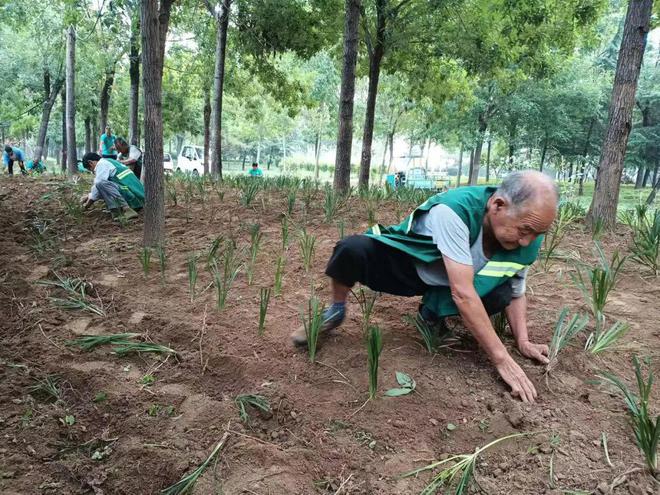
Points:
[[10, 167], [137, 170], [382, 268]]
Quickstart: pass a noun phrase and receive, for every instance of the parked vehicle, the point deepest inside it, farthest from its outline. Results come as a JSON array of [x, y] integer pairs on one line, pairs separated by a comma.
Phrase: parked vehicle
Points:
[[191, 160], [416, 178], [168, 164]]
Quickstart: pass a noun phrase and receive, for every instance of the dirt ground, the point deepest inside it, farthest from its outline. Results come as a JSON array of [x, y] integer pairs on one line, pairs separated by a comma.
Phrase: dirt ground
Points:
[[112, 434]]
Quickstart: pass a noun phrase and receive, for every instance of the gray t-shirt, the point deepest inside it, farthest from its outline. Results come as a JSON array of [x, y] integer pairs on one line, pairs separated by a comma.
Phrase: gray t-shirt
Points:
[[452, 238]]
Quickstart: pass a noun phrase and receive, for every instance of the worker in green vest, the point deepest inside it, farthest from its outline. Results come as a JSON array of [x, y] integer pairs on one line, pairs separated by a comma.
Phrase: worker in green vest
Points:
[[115, 184], [467, 252]]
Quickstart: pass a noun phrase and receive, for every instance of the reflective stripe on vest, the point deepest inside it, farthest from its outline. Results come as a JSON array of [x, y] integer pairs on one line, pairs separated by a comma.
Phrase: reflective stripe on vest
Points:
[[375, 230], [123, 174], [500, 269]]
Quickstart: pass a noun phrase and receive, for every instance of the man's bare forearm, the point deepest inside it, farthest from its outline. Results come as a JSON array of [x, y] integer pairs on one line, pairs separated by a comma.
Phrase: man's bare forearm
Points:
[[516, 313]]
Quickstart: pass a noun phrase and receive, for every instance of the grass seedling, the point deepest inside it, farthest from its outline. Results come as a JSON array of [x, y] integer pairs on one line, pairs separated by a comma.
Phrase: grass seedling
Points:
[[596, 283], [224, 277], [645, 246], [279, 273], [604, 340], [285, 233], [565, 331], [257, 401], [255, 243], [366, 299], [332, 204], [213, 250], [145, 260], [76, 291], [340, 229], [306, 242], [567, 214], [191, 264], [461, 467], [249, 190], [123, 344], [374, 348], [128, 347], [647, 432], [264, 299], [429, 335], [48, 386], [291, 201], [312, 322], [186, 484], [500, 323]]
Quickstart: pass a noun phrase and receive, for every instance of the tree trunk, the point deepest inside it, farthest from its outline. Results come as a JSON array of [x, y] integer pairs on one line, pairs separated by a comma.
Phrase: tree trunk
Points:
[[654, 191], [207, 129], [104, 101], [606, 193], [570, 172], [71, 155], [488, 160], [544, 150], [647, 174], [134, 72], [317, 154], [376, 54], [470, 164], [476, 158], [222, 23], [428, 153], [63, 150], [154, 20], [585, 153], [460, 167], [389, 165], [342, 180], [50, 92], [89, 140], [382, 164], [640, 177], [655, 172]]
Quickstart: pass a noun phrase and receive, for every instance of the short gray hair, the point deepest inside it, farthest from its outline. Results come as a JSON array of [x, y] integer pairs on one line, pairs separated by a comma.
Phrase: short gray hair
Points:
[[520, 186], [121, 141]]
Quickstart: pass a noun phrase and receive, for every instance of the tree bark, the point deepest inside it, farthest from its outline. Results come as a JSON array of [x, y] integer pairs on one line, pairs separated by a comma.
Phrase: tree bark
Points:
[[544, 150], [585, 153], [654, 191], [342, 179], [63, 150], [71, 155], [317, 154], [50, 92], [476, 158], [104, 101], [606, 193], [376, 52], [460, 167], [207, 128], [647, 174], [134, 73], [89, 139], [382, 165], [154, 21], [488, 160], [221, 15], [639, 177]]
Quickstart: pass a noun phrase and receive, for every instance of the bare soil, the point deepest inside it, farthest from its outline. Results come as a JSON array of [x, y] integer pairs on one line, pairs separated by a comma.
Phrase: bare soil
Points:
[[321, 437]]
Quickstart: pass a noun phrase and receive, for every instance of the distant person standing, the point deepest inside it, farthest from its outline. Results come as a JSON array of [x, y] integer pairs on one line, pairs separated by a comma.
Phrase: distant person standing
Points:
[[13, 154], [129, 155], [107, 147], [255, 171]]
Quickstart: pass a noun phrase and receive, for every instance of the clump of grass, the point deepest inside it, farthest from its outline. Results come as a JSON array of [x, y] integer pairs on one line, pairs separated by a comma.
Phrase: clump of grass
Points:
[[279, 273], [191, 264], [186, 484], [255, 243], [596, 283], [312, 323], [340, 229], [76, 295], [307, 242], [567, 214], [647, 431], [249, 191], [257, 401], [285, 233], [145, 260], [264, 299], [429, 335], [223, 279], [291, 200], [123, 343], [565, 331], [461, 467], [212, 255], [366, 299], [607, 338], [49, 386], [332, 204], [374, 348], [500, 323], [645, 246]]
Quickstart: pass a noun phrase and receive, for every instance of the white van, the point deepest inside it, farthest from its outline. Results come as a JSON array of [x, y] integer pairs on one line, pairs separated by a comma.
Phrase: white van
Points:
[[191, 160]]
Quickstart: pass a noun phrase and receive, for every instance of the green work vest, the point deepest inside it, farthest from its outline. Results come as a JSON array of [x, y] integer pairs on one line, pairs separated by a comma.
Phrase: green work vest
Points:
[[469, 203], [130, 186]]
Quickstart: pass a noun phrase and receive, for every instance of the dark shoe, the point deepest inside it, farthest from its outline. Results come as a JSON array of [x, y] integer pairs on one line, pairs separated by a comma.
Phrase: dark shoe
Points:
[[332, 318]]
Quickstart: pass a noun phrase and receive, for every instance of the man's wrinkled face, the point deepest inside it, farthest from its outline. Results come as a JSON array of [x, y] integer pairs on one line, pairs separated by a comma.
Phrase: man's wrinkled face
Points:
[[122, 148], [519, 227]]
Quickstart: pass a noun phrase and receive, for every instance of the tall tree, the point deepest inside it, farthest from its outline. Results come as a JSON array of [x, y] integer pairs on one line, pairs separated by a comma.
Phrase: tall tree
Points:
[[71, 155], [154, 21], [134, 72], [51, 90], [342, 180], [610, 167], [220, 13]]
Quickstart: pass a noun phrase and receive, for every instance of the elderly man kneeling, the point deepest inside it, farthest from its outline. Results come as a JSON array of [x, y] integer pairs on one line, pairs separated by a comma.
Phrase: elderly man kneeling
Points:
[[115, 184], [466, 252]]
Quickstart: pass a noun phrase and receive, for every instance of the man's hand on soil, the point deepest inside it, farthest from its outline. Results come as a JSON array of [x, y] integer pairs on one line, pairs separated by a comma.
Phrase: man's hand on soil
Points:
[[516, 378], [534, 351]]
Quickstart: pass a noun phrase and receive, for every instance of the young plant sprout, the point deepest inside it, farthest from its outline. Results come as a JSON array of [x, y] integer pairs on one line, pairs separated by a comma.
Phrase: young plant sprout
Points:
[[191, 264], [48, 386], [332, 204], [647, 431], [249, 191], [340, 229], [366, 299], [645, 244], [123, 343], [213, 250], [565, 332], [186, 484], [461, 467], [500, 323], [279, 273], [306, 242], [224, 277], [264, 299], [429, 335], [567, 214], [255, 243], [145, 260], [257, 401], [605, 340], [374, 348], [285, 233], [76, 295], [312, 322], [291, 200]]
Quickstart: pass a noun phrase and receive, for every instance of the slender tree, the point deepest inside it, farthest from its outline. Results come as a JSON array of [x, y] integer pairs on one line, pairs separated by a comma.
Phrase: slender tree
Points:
[[606, 193], [104, 100], [51, 90], [71, 156], [342, 181], [134, 73], [154, 22]]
